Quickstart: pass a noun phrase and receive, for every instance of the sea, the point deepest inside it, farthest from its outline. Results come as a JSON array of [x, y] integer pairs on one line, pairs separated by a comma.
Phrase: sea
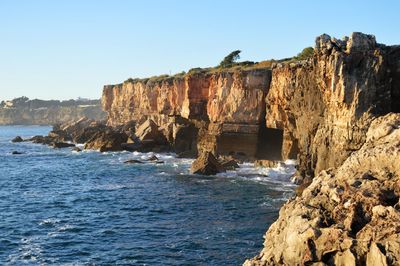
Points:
[[61, 207]]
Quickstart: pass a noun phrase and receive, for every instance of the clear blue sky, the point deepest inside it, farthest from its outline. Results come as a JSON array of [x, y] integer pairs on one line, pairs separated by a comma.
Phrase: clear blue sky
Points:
[[65, 49]]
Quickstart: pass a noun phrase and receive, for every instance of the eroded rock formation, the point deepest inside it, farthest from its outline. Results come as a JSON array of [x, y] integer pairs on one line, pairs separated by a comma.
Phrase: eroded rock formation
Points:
[[326, 104], [347, 216], [334, 109]]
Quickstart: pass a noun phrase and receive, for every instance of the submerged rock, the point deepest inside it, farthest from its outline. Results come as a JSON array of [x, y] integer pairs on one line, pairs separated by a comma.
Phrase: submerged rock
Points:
[[206, 164], [133, 161], [76, 149], [17, 139], [152, 158]]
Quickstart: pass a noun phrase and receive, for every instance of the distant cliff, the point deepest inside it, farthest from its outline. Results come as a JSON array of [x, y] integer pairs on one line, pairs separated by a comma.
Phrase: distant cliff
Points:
[[22, 111]]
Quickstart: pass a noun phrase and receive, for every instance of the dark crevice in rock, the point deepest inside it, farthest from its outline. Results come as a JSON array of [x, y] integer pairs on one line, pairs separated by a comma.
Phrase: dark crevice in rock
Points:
[[389, 198], [270, 142], [360, 219], [328, 258]]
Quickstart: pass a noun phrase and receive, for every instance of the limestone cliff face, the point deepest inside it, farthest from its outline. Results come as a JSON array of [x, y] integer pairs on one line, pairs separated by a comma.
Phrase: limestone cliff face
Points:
[[131, 101], [224, 97], [325, 104], [222, 105]]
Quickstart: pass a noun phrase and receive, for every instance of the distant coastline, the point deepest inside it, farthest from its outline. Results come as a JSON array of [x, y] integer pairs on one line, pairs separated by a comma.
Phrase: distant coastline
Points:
[[23, 111]]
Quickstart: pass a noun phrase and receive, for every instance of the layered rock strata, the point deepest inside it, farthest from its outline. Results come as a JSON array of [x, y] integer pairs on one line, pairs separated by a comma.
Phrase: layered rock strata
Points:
[[213, 111]]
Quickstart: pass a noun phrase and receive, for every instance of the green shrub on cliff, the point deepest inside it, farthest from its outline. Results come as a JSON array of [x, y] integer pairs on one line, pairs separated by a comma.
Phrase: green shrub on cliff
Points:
[[230, 59], [305, 54]]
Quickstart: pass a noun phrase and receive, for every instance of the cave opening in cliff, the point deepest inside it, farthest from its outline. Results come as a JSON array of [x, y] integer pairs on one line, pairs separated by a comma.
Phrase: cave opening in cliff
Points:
[[270, 142]]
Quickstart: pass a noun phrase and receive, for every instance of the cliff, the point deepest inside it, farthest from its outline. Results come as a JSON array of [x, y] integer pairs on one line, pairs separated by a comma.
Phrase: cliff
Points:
[[22, 111], [332, 111], [223, 108], [325, 104], [335, 112]]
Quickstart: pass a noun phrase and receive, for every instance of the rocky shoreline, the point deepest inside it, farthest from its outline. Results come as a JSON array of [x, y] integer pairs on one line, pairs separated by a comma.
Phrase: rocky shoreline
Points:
[[336, 113]]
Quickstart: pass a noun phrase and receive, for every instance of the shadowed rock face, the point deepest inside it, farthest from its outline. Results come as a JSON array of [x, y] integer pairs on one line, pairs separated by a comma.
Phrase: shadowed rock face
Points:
[[326, 104], [349, 215]]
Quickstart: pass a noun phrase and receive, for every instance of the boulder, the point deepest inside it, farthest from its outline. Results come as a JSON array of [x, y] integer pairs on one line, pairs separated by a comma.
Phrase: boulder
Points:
[[45, 140], [230, 165], [206, 164], [60, 145], [149, 132], [17, 139], [108, 140], [86, 133], [59, 135]]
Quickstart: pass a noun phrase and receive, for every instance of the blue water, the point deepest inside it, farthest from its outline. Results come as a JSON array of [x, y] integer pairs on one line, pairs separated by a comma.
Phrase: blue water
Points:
[[63, 207]]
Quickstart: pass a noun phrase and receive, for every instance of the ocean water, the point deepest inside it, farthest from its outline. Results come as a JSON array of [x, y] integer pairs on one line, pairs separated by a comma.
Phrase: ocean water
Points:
[[60, 207]]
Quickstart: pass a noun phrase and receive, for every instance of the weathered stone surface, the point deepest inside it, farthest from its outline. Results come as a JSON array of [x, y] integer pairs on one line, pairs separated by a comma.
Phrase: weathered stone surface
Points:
[[349, 215], [206, 164]]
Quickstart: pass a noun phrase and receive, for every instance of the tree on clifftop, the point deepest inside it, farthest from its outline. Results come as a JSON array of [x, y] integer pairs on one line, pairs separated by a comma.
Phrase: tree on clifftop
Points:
[[306, 53], [230, 59]]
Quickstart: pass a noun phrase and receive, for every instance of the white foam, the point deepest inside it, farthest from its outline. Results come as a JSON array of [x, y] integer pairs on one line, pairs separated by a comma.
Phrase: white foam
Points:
[[50, 221], [279, 175]]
